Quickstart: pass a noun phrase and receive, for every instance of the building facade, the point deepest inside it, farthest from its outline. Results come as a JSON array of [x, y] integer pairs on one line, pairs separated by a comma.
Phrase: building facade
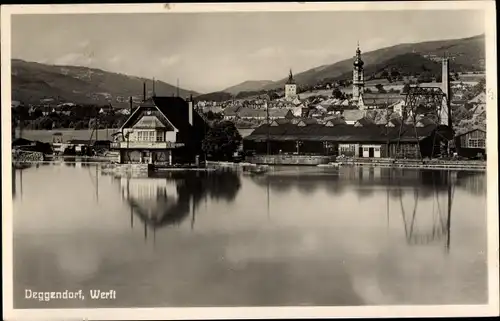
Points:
[[162, 130], [358, 78], [471, 143], [366, 140]]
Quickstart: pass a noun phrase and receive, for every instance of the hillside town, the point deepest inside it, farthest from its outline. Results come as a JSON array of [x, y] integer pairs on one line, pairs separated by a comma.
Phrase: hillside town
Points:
[[388, 117], [355, 104]]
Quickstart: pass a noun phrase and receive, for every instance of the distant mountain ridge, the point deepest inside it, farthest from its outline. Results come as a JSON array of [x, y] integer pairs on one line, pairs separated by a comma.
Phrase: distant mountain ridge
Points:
[[248, 86], [34, 82], [465, 54]]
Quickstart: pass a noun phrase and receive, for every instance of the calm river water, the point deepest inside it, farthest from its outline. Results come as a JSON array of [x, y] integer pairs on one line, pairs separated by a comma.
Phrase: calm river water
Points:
[[299, 236]]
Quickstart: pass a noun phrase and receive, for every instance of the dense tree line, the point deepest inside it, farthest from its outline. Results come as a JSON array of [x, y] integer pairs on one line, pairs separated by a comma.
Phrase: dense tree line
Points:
[[76, 117]]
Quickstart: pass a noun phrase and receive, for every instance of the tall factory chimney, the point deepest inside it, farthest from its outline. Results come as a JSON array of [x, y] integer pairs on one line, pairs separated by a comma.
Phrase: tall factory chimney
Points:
[[445, 86], [190, 113], [131, 104], [144, 91]]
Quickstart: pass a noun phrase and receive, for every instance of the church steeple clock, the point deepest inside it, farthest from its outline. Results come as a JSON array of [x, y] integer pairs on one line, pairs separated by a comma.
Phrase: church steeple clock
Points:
[[358, 79]]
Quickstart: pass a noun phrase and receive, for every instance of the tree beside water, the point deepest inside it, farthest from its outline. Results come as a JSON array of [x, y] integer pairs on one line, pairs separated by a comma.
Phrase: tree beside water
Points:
[[221, 141]]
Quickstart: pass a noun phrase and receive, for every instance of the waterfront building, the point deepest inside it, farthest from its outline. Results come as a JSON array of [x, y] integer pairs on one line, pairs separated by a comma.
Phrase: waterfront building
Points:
[[365, 139], [471, 143], [163, 130]]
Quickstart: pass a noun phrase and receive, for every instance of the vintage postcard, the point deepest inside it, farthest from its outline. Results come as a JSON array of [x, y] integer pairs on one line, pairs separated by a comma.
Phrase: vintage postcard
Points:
[[266, 160]]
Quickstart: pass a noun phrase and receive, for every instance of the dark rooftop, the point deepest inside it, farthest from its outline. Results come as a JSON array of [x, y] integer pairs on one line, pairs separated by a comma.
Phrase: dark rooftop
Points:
[[341, 133]]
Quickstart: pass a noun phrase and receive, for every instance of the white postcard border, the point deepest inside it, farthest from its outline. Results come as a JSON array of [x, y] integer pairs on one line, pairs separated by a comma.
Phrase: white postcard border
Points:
[[245, 312]]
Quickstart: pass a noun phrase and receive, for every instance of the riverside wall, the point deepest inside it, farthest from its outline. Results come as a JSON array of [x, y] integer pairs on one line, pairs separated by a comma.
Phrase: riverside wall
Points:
[[290, 159]]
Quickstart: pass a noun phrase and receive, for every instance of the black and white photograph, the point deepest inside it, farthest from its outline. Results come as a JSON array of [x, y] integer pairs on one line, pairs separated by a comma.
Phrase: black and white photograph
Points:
[[261, 160]]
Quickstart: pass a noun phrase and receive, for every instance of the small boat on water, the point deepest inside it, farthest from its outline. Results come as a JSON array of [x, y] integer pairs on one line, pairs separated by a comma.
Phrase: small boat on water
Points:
[[255, 169], [330, 165]]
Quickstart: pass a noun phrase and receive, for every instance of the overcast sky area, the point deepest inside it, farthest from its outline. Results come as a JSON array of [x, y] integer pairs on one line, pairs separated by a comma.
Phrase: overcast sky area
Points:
[[212, 51]]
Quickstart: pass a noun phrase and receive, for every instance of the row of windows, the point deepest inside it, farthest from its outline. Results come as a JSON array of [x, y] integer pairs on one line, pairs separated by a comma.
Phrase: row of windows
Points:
[[150, 136], [347, 148], [477, 143]]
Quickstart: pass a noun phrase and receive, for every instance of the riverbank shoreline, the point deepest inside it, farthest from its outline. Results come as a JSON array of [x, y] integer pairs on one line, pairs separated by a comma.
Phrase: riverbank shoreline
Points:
[[109, 165], [435, 165], [417, 164]]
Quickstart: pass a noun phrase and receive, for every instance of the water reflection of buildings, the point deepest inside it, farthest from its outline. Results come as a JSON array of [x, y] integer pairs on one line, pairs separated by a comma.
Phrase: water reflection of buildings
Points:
[[423, 198], [17, 174], [366, 180], [437, 218], [167, 200]]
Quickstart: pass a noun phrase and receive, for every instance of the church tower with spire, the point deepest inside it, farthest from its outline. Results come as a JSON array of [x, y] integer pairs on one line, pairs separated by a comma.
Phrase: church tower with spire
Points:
[[290, 87], [358, 78]]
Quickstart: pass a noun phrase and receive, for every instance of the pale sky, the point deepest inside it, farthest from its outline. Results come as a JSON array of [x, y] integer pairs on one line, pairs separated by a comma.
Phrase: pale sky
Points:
[[212, 51]]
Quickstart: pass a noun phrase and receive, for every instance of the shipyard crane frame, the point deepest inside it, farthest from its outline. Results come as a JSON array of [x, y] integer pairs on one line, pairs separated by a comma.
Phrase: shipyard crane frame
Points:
[[432, 100]]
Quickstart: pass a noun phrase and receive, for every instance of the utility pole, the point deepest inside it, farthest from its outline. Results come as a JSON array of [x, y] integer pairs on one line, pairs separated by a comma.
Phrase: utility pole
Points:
[[387, 119], [268, 128], [97, 127]]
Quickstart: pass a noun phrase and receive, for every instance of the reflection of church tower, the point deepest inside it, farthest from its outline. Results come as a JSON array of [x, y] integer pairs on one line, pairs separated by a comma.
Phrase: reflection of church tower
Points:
[[358, 79], [290, 87]]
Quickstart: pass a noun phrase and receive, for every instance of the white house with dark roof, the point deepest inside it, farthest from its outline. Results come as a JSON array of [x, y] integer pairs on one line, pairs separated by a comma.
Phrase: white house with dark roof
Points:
[[161, 130]]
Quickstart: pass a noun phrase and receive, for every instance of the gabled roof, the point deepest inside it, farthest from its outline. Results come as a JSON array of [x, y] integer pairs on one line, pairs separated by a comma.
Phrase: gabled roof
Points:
[[479, 99], [251, 112], [334, 122], [480, 128], [422, 122], [278, 112], [21, 142], [331, 117], [365, 121], [148, 122], [280, 121], [479, 109], [353, 114], [343, 133], [307, 121], [381, 99], [394, 122], [175, 110], [231, 110]]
